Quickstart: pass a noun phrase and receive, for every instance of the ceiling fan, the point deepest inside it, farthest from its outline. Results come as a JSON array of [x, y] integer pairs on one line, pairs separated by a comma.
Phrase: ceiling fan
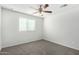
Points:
[[42, 9]]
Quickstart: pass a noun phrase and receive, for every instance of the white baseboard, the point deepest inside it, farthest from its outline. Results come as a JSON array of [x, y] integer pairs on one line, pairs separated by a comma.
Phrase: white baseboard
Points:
[[19, 43], [62, 44]]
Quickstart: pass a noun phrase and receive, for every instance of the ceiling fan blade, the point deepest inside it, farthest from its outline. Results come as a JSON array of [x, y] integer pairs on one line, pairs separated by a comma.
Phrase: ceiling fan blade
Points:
[[40, 6], [46, 5], [47, 11]]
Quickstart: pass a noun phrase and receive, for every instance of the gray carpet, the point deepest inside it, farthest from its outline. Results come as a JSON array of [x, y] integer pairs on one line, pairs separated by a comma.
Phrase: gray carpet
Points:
[[40, 47]]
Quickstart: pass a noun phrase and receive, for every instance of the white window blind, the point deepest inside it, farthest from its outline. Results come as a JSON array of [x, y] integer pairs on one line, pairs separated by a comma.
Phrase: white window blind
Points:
[[26, 24]]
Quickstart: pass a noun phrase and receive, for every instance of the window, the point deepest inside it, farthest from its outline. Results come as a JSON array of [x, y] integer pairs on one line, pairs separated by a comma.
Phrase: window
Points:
[[26, 24]]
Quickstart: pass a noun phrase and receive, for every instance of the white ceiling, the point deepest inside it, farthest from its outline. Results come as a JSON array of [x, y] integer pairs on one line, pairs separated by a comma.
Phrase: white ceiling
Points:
[[29, 8]]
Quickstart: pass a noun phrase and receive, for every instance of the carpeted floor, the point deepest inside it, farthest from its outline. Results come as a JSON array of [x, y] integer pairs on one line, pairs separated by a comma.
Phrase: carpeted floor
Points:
[[40, 47]]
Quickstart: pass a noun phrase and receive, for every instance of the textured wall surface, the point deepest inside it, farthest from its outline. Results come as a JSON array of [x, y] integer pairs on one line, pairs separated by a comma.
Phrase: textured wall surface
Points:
[[63, 28], [11, 34]]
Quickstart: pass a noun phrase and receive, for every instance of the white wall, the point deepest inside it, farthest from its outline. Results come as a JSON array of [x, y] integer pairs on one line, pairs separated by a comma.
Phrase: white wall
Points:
[[0, 28], [63, 28], [11, 34]]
